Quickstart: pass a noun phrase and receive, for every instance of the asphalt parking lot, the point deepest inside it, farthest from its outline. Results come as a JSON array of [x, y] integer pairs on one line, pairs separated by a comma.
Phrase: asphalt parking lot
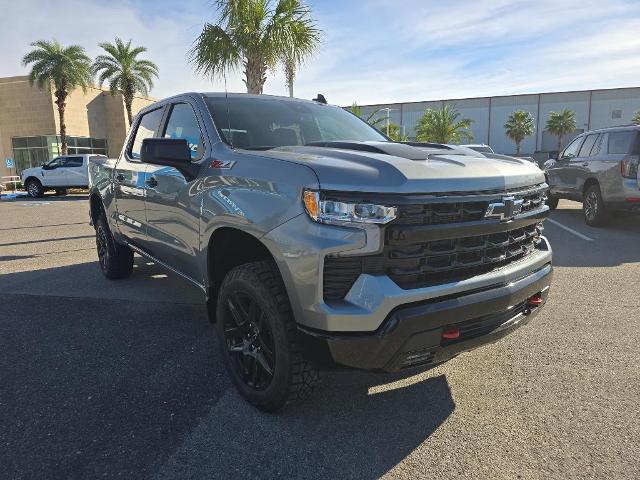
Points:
[[124, 379]]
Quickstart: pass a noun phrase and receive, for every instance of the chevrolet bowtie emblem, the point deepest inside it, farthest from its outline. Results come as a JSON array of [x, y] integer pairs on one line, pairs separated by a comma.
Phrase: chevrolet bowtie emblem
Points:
[[506, 209]]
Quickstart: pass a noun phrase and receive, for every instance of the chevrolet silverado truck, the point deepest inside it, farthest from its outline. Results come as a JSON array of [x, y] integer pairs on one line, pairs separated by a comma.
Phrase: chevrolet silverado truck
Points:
[[319, 243]]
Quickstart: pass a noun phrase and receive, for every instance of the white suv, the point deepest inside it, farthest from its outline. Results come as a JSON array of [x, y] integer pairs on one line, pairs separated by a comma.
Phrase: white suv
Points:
[[67, 171]]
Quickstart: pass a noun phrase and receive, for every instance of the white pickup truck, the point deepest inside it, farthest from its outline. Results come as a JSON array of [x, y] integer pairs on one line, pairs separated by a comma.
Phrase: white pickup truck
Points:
[[66, 171]]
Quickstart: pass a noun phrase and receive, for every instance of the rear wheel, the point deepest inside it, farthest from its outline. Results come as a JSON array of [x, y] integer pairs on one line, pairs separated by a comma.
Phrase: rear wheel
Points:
[[593, 207], [34, 188], [116, 260], [259, 338]]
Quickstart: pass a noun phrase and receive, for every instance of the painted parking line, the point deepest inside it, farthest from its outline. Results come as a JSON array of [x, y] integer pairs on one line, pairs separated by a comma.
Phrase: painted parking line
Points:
[[570, 230]]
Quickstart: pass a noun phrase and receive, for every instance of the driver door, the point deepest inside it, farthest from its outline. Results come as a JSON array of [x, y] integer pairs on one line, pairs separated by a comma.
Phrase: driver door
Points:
[[172, 212], [51, 172]]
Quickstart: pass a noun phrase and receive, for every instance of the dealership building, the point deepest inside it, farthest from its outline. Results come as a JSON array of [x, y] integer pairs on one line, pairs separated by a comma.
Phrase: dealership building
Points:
[[29, 124], [593, 109]]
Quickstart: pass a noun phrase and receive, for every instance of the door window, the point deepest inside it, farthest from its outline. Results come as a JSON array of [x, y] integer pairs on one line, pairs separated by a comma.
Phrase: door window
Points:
[[55, 163], [73, 162], [147, 128], [572, 149], [183, 124], [589, 141]]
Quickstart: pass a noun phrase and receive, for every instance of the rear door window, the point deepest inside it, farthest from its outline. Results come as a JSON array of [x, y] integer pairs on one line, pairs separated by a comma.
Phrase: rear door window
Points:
[[73, 162], [147, 128], [620, 142]]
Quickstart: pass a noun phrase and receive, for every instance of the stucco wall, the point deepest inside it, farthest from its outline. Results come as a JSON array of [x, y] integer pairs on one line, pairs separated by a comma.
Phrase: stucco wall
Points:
[[27, 110]]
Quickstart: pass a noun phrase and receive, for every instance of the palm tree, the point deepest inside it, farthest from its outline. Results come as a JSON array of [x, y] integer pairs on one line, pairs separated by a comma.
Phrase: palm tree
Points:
[[126, 73], [561, 124], [636, 117], [395, 132], [443, 126], [520, 125], [61, 68], [374, 119], [257, 35]]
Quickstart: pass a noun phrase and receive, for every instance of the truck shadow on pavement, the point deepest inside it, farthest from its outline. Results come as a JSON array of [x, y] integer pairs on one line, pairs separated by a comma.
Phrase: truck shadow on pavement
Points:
[[126, 379]]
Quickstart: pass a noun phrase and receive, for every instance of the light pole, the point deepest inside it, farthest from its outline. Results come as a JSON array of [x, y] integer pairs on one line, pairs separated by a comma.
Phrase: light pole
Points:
[[388, 109]]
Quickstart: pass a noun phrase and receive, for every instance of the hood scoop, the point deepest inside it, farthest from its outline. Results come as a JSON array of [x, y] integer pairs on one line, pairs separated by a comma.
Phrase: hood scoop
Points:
[[385, 148]]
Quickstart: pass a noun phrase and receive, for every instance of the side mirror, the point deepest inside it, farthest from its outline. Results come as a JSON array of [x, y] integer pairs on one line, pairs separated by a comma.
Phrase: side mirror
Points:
[[169, 152]]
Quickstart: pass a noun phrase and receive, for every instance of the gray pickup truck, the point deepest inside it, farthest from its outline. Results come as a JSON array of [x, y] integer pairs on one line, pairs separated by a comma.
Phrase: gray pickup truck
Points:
[[317, 242]]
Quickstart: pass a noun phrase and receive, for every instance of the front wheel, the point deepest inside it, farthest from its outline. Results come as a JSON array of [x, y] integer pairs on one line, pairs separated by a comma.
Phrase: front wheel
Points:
[[593, 207], [259, 337], [34, 188], [116, 260]]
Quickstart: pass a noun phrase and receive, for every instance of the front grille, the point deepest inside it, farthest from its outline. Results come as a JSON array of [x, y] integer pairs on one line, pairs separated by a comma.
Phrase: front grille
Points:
[[441, 213], [436, 241], [450, 260]]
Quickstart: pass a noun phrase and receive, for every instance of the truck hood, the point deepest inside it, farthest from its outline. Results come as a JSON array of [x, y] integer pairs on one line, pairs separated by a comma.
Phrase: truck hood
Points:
[[398, 168]]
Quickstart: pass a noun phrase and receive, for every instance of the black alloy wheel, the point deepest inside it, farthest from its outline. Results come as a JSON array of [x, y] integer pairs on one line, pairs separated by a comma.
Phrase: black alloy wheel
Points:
[[259, 338], [249, 340]]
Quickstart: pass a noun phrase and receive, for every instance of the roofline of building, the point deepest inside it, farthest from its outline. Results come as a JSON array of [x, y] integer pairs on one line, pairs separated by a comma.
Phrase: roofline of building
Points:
[[498, 96], [25, 78]]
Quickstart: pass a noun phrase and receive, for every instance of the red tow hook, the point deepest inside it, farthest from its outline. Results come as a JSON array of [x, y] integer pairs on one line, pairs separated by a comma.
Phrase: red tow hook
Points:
[[535, 300], [451, 333]]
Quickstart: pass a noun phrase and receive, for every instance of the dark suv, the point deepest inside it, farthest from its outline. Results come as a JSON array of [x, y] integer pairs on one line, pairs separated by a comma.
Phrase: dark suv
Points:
[[600, 169]]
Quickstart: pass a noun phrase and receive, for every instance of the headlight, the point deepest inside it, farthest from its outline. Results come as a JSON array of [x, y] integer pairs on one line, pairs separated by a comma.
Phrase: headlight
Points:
[[331, 211]]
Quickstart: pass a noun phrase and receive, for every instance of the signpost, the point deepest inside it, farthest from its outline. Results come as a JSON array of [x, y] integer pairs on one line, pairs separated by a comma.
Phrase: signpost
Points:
[[9, 163]]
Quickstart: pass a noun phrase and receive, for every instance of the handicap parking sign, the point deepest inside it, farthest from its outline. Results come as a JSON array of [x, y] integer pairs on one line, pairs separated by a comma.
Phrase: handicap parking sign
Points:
[[9, 162]]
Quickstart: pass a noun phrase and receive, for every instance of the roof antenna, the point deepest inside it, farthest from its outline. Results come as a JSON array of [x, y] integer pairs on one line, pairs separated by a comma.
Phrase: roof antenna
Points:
[[226, 98], [320, 99]]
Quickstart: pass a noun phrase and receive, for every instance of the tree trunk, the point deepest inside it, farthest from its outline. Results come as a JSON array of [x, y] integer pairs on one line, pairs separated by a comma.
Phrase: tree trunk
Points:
[[518, 147], [128, 100], [61, 97], [559, 143], [290, 74], [255, 73]]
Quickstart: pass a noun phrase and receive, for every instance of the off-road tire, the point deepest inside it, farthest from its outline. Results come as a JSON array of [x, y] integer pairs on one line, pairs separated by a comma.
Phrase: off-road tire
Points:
[[293, 376], [594, 208], [115, 260], [34, 188], [552, 202]]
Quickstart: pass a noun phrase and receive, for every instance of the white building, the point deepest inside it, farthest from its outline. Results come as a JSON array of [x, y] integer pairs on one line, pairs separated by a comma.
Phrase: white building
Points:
[[593, 109]]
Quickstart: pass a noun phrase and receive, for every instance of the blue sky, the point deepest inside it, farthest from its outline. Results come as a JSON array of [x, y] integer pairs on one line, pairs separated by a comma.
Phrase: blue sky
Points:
[[373, 51]]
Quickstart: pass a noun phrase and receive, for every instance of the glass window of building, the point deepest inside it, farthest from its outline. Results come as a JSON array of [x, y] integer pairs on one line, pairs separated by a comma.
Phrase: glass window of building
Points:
[[33, 151]]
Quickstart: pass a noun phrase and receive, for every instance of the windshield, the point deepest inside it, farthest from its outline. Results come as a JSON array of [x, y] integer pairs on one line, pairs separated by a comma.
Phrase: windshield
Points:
[[262, 123]]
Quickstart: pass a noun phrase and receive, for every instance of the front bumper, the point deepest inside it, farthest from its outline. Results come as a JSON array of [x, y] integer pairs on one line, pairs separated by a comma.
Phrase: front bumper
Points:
[[411, 335]]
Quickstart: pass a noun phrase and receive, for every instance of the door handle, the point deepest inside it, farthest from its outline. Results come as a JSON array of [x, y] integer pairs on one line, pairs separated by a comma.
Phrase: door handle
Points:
[[151, 182], [120, 177]]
